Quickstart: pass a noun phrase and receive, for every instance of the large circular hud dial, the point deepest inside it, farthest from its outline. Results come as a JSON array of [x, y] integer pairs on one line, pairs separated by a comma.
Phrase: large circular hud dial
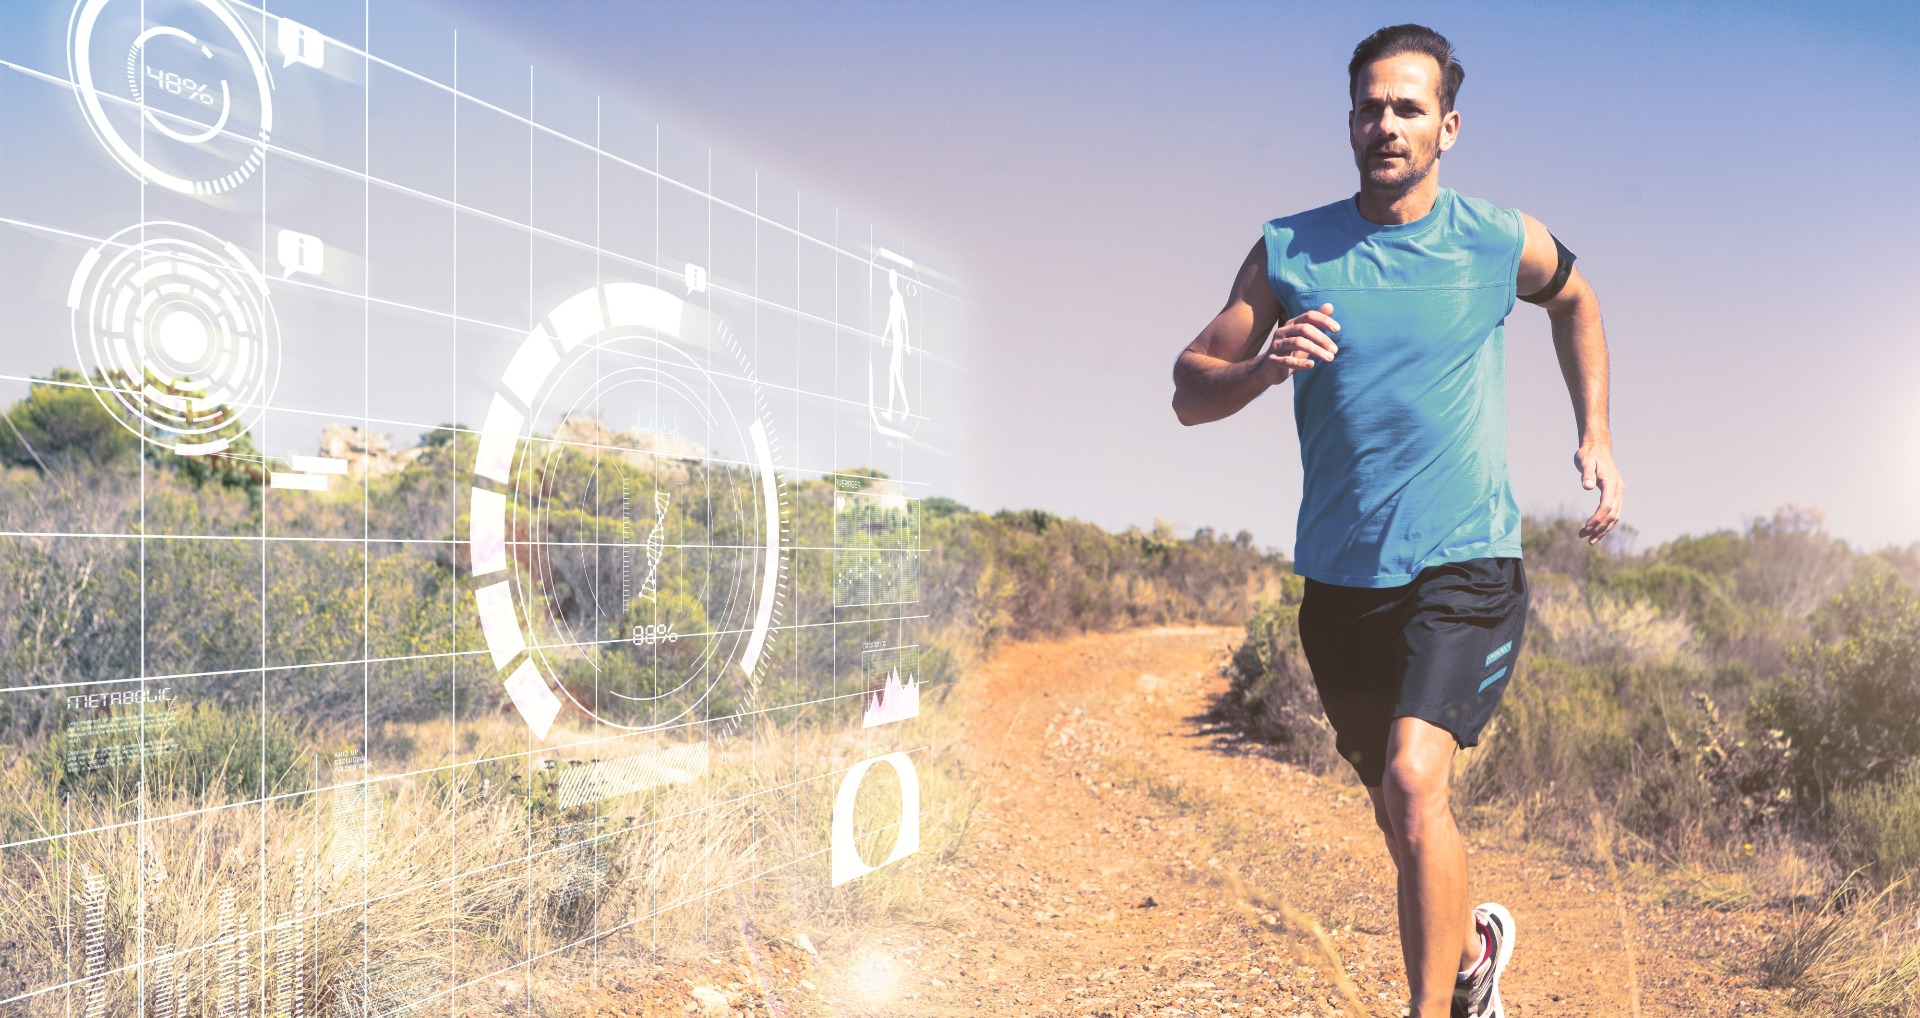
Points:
[[178, 91], [626, 518]]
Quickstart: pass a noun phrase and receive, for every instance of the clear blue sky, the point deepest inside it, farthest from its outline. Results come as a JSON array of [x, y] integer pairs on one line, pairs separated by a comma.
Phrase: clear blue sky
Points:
[[1736, 178]]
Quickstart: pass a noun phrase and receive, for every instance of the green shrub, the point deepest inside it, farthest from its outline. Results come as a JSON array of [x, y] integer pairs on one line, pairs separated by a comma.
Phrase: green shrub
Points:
[[1556, 546], [1678, 590], [1722, 553], [1746, 777], [1030, 574], [1272, 687], [1849, 705], [1877, 826], [201, 749], [61, 422]]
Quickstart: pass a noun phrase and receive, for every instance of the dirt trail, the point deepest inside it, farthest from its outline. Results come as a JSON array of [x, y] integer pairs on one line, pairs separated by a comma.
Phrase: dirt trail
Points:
[[1121, 834]]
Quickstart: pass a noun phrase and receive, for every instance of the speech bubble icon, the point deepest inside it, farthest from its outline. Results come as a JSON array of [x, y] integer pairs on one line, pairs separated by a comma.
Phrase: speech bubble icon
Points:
[[696, 278], [301, 45], [300, 252]]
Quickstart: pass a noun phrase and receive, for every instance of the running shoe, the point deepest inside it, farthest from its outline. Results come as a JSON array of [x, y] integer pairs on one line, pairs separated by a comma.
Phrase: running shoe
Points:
[[1479, 997]]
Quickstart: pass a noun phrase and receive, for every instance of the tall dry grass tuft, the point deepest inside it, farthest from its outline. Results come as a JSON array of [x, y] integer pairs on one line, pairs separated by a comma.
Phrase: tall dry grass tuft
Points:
[[1853, 956], [445, 882]]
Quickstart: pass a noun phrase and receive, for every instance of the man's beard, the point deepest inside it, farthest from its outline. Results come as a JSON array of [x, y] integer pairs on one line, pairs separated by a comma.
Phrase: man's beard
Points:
[[1401, 179]]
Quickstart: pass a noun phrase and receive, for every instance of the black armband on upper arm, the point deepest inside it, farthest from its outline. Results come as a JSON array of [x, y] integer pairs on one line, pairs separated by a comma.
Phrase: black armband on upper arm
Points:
[[1560, 274]]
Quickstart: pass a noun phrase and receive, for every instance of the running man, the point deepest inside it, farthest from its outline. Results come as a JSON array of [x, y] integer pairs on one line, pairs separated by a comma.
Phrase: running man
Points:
[[1389, 309]]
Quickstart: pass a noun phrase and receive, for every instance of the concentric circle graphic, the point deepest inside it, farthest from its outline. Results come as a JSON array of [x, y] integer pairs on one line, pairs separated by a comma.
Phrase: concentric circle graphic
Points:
[[178, 327], [186, 104], [639, 528]]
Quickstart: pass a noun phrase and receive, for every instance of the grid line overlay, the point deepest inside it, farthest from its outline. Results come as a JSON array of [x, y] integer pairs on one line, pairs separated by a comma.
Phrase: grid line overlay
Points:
[[267, 684]]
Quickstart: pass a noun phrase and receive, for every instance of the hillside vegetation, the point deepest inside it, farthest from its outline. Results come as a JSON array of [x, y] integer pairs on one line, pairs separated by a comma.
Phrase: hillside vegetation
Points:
[[1740, 710], [234, 577], [322, 657]]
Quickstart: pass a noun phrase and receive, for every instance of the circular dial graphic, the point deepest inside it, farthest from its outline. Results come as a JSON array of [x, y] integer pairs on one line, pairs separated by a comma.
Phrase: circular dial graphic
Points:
[[177, 327], [187, 104], [632, 539]]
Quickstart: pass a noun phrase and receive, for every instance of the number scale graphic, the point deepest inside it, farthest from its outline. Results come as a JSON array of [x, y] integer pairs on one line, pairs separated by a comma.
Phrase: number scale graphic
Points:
[[193, 108]]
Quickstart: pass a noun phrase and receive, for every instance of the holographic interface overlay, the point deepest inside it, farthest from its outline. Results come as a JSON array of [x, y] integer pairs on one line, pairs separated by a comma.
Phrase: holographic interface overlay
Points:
[[455, 529]]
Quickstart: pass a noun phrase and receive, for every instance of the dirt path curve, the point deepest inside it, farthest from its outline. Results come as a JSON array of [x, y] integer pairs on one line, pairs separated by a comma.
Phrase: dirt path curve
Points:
[[1121, 834]]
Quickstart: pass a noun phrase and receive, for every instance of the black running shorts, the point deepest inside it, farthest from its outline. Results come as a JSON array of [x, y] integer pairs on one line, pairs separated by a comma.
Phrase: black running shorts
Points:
[[1440, 648]]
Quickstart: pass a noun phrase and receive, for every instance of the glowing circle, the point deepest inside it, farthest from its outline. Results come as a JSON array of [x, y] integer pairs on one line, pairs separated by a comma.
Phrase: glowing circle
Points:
[[638, 518], [186, 105], [178, 330], [183, 336]]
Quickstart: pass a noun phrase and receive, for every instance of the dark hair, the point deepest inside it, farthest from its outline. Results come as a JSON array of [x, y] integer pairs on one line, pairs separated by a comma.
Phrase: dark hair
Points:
[[1397, 39]]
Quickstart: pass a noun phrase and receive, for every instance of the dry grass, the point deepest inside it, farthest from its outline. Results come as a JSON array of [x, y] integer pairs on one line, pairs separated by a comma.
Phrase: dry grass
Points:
[[1853, 956], [1586, 628], [452, 878]]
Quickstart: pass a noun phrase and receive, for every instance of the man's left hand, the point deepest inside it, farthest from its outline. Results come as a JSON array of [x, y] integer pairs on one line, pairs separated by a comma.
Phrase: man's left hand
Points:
[[1594, 460]]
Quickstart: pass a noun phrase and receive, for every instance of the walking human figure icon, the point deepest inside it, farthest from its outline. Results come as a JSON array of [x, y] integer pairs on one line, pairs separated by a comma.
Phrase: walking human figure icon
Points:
[[894, 337]]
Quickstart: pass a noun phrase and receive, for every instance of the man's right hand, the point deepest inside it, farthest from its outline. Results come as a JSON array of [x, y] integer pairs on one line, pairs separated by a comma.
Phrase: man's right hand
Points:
[[1224, 369], [1297, 341]]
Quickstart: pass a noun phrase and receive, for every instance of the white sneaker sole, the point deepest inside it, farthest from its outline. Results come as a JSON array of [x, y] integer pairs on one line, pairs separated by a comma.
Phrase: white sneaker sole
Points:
[[1495, 914]]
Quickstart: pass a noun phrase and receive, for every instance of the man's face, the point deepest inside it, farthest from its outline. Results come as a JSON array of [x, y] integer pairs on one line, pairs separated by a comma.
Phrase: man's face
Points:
[[1395, 127]]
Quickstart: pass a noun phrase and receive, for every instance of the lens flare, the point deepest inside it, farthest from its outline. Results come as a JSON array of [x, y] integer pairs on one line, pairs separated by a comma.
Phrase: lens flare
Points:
[[876, 976]]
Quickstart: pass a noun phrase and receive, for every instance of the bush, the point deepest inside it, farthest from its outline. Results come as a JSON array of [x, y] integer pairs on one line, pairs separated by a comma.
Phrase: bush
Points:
[[1273, 688], [1792, 565], [61, 422], [211, 751], [1029, 574], [1556, 546], [1679, 590], [1850, 704], [1746, 777], [1591, 627], [1877, 826]]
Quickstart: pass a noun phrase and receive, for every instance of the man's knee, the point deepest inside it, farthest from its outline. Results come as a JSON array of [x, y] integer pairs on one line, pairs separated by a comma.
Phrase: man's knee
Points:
[[1416, 790]]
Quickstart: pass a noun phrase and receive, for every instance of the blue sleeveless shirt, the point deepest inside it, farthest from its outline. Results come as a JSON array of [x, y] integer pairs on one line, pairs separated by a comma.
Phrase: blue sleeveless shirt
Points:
[[1403, 435]]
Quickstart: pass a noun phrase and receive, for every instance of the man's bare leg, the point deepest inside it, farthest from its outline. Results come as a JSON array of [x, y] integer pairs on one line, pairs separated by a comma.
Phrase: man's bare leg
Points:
[[1437, 938]]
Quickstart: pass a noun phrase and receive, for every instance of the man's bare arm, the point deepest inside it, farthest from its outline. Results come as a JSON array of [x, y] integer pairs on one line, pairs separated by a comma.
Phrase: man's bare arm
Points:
[[1581, 346], [1223, 369]]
